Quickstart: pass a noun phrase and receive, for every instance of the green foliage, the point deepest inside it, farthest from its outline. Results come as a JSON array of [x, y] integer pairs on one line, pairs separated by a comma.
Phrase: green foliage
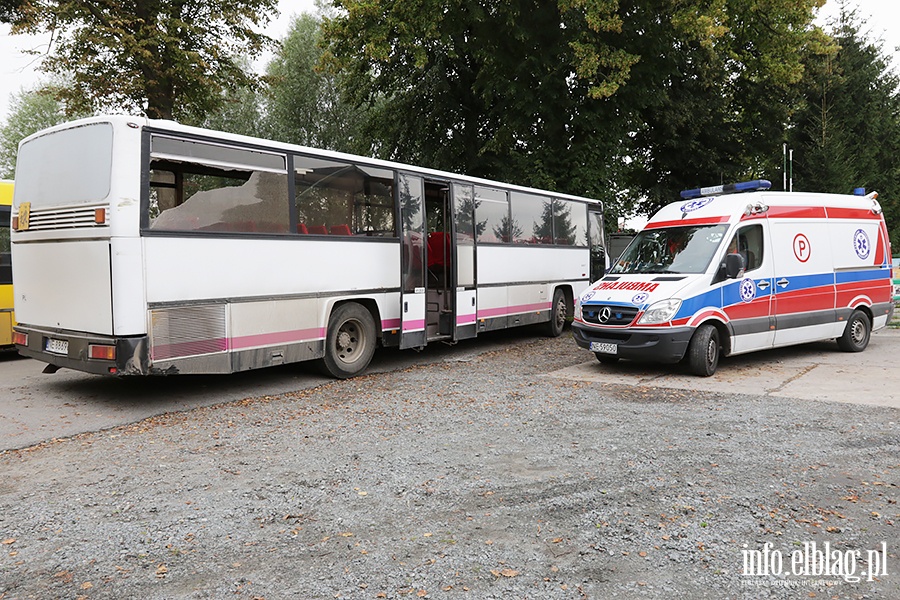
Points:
[[580, 96], [166, 58], [847, 133], [30, 111], [304, 104]]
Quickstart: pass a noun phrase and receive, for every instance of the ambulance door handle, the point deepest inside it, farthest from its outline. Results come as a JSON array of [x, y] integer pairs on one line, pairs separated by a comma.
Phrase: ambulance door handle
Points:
[[763, 284], [782, 282]]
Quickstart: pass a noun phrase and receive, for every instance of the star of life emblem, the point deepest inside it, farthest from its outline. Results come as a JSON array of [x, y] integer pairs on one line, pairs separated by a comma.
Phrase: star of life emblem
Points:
[[748, 290], [861, 244]]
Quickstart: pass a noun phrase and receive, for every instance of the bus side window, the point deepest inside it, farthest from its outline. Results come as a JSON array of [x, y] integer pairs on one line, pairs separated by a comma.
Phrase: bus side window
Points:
[[196, 186]]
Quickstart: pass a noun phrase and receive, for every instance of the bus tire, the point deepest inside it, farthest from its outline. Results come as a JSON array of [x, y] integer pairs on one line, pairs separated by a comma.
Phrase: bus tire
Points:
[[704, 351], [350, 341], [558, 312], [856, 333]]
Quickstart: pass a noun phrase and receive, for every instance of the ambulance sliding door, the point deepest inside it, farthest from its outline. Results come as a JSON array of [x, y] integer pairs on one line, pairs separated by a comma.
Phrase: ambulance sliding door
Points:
[[804, 275]]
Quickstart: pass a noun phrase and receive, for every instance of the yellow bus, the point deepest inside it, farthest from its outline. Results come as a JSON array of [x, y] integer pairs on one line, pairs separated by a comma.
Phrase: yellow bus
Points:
[[7, 318]]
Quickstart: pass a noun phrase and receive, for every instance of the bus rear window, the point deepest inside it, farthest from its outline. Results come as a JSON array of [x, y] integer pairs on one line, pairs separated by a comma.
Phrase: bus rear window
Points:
[[72, 166]]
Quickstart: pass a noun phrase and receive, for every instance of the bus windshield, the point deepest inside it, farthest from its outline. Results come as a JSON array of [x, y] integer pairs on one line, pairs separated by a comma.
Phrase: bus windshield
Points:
[[671, 250], [72, 166]]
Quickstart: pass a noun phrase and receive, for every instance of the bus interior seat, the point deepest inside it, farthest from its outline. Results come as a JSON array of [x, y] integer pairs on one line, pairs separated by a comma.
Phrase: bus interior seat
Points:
[[342, 229], [301, 228], [319, 229]]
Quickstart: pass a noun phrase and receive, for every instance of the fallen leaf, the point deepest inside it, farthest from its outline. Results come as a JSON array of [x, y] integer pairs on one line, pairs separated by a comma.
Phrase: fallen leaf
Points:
[[504, 573], [8, 541], [87, 585]]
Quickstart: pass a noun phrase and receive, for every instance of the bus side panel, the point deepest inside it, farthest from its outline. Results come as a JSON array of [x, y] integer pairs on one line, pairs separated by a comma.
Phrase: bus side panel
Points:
[[73, 291], [516, 282], [527, 263], [194, 269], [275, 332]]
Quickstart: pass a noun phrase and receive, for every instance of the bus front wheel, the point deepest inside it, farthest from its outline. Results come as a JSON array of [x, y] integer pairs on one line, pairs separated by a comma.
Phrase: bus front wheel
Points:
[[350, 342]]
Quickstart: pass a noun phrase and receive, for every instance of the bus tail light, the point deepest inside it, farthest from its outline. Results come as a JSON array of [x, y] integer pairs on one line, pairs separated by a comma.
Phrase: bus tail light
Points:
[[20, 339], [101, 352], [100, 216], [15, 223]]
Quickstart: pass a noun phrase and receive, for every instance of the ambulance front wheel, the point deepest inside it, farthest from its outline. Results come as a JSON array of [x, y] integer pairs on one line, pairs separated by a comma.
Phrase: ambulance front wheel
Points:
[[704, 350], [856, 334], [606, 359]]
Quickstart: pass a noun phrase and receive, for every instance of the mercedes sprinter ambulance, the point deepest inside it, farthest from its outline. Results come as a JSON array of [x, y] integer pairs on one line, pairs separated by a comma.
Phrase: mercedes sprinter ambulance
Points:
[[736, 268]]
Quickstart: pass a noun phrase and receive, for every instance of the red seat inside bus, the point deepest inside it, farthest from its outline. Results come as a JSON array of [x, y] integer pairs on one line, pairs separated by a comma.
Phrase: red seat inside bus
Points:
[[438, 248], [342, 229], [320, 229]]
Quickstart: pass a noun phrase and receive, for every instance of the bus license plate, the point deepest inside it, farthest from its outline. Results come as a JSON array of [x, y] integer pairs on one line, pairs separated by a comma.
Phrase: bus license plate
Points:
[[57, 346], [604, 348]]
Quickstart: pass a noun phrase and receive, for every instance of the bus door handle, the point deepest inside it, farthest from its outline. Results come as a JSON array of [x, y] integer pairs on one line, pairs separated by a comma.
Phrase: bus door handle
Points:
[[782, 283], [406, 307]]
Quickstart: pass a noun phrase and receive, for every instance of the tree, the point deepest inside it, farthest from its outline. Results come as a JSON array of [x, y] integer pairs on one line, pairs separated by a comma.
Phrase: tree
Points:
[[305, 104], [617, 99], [848, 133], [30, 111], [166, 58]]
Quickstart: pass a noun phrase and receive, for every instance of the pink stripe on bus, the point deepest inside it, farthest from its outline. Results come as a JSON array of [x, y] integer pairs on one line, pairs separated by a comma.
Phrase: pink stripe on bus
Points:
[[390, 323], [513, 310], [278, 337]]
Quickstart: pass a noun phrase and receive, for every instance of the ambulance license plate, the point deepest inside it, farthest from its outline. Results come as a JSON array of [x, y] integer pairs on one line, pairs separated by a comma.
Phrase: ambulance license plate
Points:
[[604, 348], [57, 346]]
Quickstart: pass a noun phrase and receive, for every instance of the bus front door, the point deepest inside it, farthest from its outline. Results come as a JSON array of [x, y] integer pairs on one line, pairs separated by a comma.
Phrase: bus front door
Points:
[[412, 262]]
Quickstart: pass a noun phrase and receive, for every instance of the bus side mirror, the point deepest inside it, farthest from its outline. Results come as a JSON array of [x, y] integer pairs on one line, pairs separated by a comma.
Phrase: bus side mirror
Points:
[[734, 266]]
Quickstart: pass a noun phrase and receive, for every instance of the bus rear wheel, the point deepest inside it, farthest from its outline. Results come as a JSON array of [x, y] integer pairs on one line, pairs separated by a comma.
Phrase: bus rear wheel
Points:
[[350, 342]]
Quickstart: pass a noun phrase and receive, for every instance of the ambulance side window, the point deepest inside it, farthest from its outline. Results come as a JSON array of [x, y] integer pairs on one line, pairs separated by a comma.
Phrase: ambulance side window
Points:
[[748, 242]]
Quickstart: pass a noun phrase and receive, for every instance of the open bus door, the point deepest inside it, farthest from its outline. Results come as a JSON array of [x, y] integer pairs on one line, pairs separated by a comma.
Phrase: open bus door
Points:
[[412, 262], [464, 235]]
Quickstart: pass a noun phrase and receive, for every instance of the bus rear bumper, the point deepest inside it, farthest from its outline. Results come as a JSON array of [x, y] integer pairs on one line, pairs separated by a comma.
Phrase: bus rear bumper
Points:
[[72, 350], [657, 345]]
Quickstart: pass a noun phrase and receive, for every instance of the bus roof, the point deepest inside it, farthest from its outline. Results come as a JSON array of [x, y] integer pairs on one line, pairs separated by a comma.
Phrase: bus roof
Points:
[[175, 127]]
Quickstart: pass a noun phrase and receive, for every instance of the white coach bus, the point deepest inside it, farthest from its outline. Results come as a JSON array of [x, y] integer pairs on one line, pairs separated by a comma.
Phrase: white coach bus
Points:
[[147, 247]]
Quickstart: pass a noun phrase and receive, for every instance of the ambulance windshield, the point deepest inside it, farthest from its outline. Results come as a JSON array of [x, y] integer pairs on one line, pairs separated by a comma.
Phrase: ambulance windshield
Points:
[[671, 250]]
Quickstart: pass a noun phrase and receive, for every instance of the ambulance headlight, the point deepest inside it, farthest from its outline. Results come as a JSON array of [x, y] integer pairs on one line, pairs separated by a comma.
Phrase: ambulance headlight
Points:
[[660, 312]]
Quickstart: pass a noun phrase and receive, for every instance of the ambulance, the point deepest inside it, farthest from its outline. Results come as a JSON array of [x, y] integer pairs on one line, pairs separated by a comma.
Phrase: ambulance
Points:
[[737, 268]]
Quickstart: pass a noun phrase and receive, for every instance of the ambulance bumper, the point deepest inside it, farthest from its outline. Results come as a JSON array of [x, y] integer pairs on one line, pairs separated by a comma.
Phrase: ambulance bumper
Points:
[[657, 345]]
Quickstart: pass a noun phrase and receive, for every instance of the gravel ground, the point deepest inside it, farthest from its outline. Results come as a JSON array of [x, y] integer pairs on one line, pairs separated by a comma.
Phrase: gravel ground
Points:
[[474, 477]]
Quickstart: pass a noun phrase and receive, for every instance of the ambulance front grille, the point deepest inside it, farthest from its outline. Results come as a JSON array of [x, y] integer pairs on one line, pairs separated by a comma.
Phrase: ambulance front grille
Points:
[[617, 315]]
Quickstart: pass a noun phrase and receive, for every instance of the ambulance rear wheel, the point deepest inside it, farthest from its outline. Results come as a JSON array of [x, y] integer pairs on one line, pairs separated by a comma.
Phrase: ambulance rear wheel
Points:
[[704, 350], [856, 334]]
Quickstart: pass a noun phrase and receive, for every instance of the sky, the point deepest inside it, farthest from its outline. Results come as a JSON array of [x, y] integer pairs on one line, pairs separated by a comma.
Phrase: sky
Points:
[[18, 70]]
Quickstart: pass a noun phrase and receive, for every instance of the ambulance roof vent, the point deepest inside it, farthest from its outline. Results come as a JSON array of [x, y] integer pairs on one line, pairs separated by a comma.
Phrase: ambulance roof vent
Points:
[[729, 188]]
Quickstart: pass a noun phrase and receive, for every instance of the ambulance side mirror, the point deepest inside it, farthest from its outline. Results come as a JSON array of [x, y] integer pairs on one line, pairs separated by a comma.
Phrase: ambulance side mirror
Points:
[[734, 266]]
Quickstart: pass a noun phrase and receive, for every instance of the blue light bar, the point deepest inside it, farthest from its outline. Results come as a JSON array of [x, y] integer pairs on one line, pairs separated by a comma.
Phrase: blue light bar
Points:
[[729, 188]]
